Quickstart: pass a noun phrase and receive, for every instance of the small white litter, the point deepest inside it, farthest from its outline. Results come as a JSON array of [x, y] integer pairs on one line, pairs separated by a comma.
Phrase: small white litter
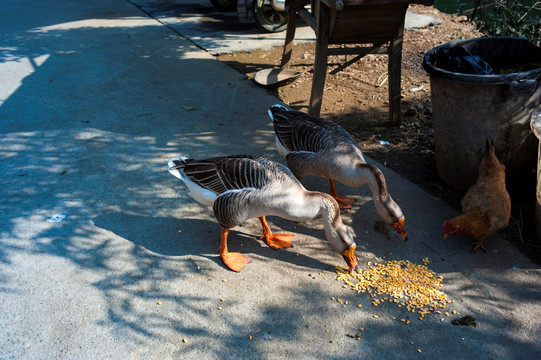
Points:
[[415, 89], [56, 218]]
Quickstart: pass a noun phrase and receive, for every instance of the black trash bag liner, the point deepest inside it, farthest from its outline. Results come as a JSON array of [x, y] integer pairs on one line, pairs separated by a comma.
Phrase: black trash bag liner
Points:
[[460, 60]]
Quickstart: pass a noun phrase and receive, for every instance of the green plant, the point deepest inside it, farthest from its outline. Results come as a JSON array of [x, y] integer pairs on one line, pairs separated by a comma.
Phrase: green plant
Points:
[[508, 18]]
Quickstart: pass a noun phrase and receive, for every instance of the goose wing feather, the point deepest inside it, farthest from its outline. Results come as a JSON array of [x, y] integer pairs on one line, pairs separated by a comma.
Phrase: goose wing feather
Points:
[[233, 207], [298, 131], [236, 172]]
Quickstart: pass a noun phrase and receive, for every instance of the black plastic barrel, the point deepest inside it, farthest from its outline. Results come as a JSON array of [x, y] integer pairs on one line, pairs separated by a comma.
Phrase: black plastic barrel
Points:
[[536, 127], [470, 108]]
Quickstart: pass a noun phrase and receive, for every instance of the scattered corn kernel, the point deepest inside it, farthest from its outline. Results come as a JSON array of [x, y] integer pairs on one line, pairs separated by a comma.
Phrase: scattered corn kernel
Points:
[[250, 337], [224, 280], [418, 350], [375, 316], [184, 340], [159, 302], [220, 308], [327, 330], [359, 306], [222, 300], [401, 282], [453, 312]]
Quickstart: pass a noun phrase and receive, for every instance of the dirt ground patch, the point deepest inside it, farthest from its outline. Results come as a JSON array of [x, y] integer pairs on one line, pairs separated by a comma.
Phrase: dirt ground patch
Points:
[[357, 99]]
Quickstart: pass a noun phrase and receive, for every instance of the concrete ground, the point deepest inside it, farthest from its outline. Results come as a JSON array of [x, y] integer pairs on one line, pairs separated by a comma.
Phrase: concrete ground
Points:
[[104, 256]]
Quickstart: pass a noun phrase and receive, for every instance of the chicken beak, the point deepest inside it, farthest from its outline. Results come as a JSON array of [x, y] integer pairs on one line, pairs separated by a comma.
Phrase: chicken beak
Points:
[[401, 229], [446, 229], [351, 260]]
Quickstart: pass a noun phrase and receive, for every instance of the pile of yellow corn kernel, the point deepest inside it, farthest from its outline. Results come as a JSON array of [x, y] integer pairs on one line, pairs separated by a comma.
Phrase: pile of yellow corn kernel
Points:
[[407, 284]]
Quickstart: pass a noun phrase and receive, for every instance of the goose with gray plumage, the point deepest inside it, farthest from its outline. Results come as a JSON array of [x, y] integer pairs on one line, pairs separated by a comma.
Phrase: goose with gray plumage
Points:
[[241, 187], [315, 146]]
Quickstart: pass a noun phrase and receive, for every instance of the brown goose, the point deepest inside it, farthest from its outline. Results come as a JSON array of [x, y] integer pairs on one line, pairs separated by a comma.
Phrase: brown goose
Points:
[[242, 187], [315, 146]]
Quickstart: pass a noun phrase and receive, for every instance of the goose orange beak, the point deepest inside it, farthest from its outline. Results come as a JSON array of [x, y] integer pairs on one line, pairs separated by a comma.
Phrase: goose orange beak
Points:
[[401, 229], [351, 260]]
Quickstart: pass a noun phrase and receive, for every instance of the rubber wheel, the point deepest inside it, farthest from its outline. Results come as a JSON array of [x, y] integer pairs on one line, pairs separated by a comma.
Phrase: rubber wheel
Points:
[[267, 18], [225, 5]]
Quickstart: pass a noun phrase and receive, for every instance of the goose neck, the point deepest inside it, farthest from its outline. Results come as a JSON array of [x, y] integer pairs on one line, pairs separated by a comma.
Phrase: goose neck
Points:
[[329, 210], [376, 182]]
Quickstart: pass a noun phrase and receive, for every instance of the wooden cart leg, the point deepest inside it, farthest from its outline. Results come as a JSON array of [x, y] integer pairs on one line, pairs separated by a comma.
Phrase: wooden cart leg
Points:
[[320, 61], [290, 36], [395, 73]]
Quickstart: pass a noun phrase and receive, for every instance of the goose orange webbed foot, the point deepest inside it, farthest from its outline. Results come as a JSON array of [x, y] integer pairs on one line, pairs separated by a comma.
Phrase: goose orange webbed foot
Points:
[[278, 241], [275, 241], [344, 202], [234, 260]]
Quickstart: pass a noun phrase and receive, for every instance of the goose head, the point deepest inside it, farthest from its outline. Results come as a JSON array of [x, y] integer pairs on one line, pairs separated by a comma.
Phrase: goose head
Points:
[[342, 241], [338, 234], [391, 213], [386, 207]]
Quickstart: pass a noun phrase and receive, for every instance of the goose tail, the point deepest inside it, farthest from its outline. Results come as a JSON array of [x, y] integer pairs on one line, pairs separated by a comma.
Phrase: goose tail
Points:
[[175, 166], [276, 107]]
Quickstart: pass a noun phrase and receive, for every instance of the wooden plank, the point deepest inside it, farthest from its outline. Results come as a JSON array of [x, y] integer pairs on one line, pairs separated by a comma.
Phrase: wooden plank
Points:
[[371, 23], [380, 50]]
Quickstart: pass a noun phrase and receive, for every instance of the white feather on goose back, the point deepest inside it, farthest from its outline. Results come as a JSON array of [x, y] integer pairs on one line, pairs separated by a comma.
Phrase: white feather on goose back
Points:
[[315, 146]]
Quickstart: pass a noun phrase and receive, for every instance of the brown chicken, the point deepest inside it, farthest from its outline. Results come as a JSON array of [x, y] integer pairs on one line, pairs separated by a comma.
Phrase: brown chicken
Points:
[[486, 207]]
